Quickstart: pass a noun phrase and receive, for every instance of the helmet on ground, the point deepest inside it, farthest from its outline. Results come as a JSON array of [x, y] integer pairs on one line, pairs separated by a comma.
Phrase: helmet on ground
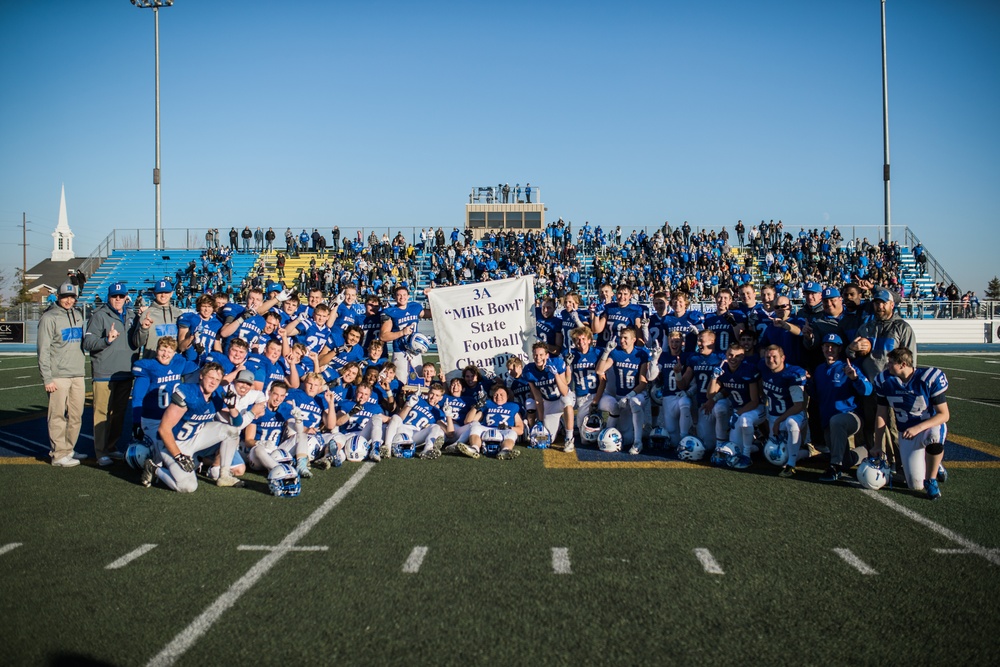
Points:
[[539, 436], [136, 454], [720, 457], [592, 427], [690, 448], [659, 437], [873, 473], [283, 481], [315, 446], [776, 451], [403, 446], [738, 462], [418, 343], [356, 448], [610, 440]]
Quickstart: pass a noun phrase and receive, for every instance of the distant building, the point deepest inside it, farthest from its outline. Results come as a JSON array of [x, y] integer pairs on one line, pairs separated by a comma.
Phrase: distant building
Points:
[[45, 277]]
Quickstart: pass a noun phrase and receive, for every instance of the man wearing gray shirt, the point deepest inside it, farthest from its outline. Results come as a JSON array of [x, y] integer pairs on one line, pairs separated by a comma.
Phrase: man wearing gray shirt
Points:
[[60, 362]]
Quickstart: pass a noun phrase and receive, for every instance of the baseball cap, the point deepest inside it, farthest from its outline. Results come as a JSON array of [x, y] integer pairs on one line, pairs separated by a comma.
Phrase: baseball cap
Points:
[[67, 289], [245, 376], [812, 287], [117, 289], [882, 294], [833, 338], [831, 293], [273, 287], [162, 287]]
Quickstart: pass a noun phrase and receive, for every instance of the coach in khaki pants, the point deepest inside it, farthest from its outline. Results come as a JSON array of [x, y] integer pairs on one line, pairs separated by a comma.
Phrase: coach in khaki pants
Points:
[[60, 362], [111, 359]]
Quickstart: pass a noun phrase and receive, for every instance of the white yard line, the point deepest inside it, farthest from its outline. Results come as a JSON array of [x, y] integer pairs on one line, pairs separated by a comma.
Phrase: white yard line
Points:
[[199, 626], [7, 548], [130, 556], [560, 561], [23, 386], [992, 555], [966, 370], [969, 400], [708, 561], [855, 562], [264, 547], [415, 560]]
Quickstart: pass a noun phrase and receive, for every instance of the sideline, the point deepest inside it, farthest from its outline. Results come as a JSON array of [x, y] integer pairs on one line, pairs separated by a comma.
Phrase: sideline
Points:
[[199, 626]]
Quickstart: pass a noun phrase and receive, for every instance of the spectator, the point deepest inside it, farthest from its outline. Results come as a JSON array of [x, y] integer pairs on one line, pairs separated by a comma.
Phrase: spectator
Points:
[[61, 365]]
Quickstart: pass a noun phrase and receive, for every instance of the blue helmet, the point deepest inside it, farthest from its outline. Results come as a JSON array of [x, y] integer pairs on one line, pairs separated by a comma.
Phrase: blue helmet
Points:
[[418, 343]]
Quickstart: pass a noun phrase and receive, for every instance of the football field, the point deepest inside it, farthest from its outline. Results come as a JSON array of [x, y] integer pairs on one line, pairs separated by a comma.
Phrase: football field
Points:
[[552, 558]]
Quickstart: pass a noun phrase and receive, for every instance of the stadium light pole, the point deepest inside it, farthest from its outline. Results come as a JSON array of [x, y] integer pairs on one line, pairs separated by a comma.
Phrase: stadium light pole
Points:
[[155, 6], [885, 134]]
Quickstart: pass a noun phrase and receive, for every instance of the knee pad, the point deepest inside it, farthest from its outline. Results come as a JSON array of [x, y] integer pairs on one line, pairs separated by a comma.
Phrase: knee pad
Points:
[[934, 448]]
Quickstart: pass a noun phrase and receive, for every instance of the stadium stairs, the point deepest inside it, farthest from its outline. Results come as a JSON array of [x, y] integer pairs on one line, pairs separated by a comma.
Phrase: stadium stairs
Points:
[[141, 269]]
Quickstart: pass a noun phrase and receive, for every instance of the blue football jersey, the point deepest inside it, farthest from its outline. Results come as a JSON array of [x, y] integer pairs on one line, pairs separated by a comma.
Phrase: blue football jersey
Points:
[[312, 407], [402, 318], [724, 327], [625, 366], [199, 410], [544, 379], [736, 384], [704, 368], [585, 380], [783, 389], [499, 416], [153, 384], [270, 427], [423, 414], [914, 401]]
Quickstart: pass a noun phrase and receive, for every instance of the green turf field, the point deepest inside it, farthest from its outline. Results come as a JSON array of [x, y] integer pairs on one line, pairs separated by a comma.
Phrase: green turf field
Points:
[[549, 559]]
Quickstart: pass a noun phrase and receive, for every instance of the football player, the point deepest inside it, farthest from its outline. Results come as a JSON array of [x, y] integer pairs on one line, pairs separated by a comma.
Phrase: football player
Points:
[[698, 373], [307, 411], [547, 379], [153, 384], [494, 417], [572, 317], [917, 397], [738, 409], [398, 323], [628, 365], [725, 323], [581, 371], [423, 420], [548, 327], [616, 316], [197, 332], [784, 390], [262, 436], [363, 416], [197, 418], [675, 412]]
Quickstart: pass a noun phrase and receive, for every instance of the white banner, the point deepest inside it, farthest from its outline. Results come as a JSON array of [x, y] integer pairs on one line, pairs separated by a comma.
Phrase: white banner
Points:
[[484, 324]]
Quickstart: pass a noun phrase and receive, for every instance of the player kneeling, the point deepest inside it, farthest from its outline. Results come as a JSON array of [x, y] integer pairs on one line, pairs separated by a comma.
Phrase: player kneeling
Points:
[[917, 397], [422, 420]]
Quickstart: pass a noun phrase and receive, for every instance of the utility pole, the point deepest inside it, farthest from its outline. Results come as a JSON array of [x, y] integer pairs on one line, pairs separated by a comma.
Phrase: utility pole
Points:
[[24, 248]]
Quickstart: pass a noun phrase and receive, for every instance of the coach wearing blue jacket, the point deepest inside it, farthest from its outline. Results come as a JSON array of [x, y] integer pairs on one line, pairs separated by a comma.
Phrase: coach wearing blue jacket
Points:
[[111, 358]]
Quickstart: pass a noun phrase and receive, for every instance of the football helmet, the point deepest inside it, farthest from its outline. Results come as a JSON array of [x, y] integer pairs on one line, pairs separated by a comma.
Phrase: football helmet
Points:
[[776, 451], [690, 448], [315, 446], [656, 395], [418, 343], [592, 427], [356, 448], [738, 462], [403, 446], [539, 437], [722, 453], [610, 440], [873, 473], [136, 454], [280, 456], [283, 481], [658, 437]]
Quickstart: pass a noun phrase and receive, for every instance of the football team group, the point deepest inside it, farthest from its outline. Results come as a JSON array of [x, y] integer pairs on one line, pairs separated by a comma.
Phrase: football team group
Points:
[[285, 387]]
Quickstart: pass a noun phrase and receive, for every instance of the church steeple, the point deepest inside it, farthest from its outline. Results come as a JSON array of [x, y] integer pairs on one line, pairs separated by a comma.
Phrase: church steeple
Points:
[[62, 238]]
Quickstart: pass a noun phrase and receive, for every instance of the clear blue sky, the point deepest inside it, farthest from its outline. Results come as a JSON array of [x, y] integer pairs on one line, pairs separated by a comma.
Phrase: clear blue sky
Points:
[[386, 114]]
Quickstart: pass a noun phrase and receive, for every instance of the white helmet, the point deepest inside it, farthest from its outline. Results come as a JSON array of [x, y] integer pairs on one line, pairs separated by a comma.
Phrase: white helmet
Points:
[[283, 481], [656, 395], [357, 448], [418, 343], [592, 427], [720, 457], [403, 446], [315, 446], [136, 455], [280, 456], [539, 436], [659, 437], [492, 438], [690, 448], [873, 473], [776, 451], [610, 440]]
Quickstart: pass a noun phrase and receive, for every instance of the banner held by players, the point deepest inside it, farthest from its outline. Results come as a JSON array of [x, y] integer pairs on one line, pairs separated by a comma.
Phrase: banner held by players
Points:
[[484, 324]]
